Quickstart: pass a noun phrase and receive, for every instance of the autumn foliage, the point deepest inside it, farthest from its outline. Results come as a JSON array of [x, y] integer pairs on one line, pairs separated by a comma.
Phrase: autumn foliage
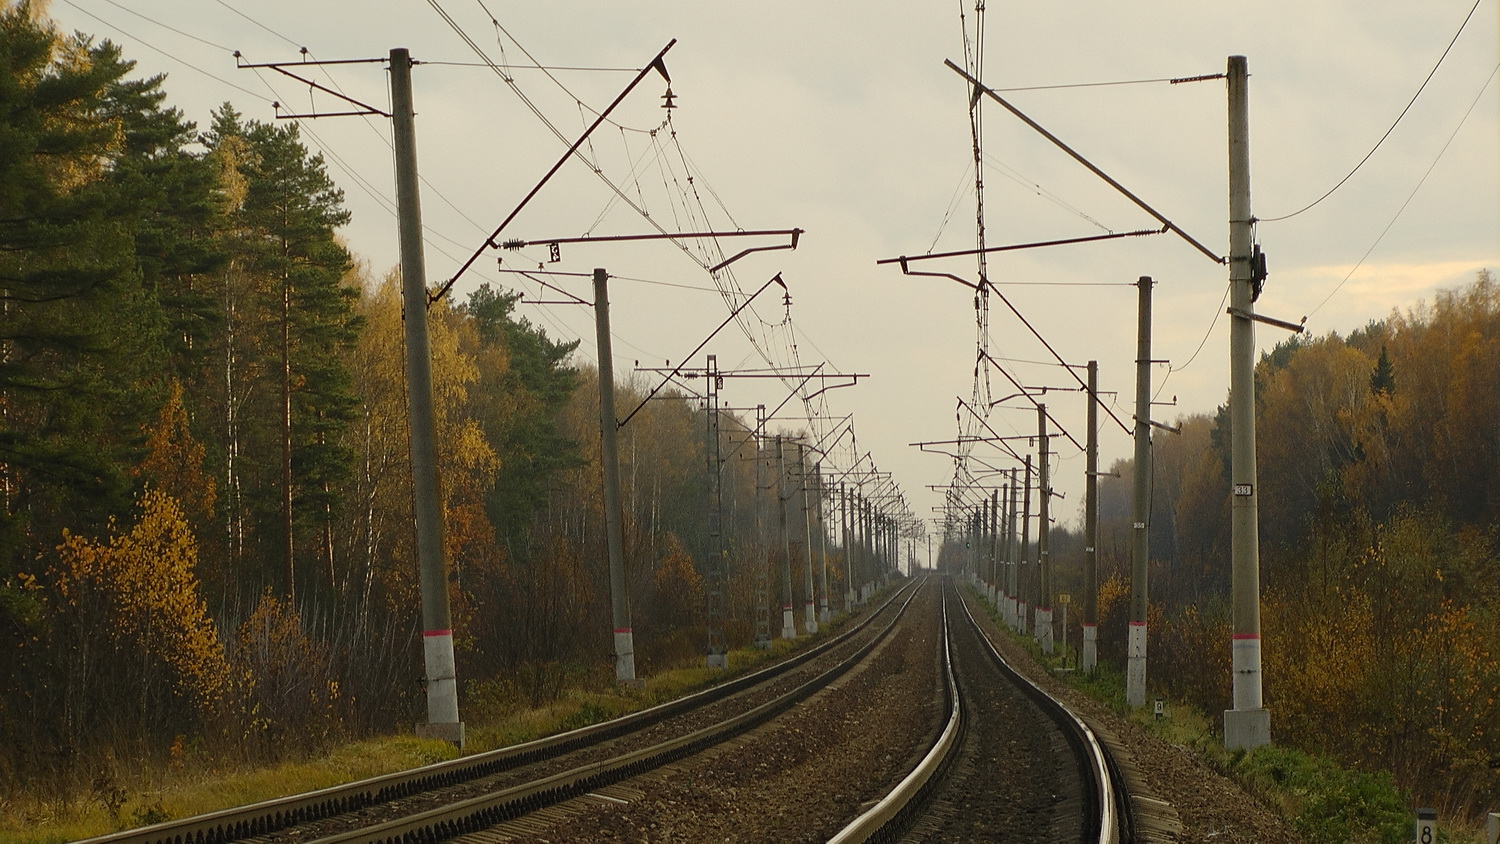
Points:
[[1379, 469]]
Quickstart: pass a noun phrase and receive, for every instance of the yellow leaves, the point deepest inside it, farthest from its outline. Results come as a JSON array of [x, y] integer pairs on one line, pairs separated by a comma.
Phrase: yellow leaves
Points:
[[140, 591], [174, 463]]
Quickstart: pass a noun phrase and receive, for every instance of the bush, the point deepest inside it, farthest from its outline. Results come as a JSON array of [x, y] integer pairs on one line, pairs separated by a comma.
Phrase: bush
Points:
[[1327, 804]]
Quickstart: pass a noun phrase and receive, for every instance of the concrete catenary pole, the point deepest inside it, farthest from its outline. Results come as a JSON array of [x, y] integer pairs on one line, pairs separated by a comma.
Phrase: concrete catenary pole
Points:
[[1249, 723], [1012, 553], [847, 546], [1090, 656], [993, 544], [763, 566], [1043, 537], [788, 627], [824, 615], [1023, 576], [866, 549], [619, 590], [810, 611], [1140, 545], [717, 650], [437, 626]]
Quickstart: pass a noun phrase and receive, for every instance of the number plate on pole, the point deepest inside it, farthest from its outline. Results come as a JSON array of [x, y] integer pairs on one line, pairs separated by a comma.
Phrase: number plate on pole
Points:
[[1244, 489]]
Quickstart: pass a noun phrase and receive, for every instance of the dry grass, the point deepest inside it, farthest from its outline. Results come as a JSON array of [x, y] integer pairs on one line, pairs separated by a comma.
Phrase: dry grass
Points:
[[147, 795]]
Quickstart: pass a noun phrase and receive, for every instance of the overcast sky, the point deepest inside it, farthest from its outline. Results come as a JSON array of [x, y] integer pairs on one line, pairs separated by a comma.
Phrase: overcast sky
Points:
[[840, 118]]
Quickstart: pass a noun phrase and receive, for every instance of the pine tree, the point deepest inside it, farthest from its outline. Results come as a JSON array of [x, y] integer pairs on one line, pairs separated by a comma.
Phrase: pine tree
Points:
[[524, 387], [1383, 379], [292, 321], [77, 331]]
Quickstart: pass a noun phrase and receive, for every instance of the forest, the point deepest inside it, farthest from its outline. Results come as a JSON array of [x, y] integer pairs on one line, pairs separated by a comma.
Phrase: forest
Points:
[[206, 539], [1379, 472]]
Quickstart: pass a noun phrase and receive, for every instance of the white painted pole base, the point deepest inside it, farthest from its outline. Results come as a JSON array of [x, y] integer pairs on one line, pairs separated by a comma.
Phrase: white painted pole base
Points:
[[1044, 628], [625, 656], [788, 626], [1492, 829], [1135, 665], [823, 614], [1248, 724], [1090, 661], [810, 619], [1246, 663], [1247, 729], [442, 677], [1021, 612], [442, 689], [1010, 612]]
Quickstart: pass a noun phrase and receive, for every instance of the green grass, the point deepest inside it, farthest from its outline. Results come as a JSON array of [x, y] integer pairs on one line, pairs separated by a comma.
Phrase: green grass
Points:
[[1326, 803]]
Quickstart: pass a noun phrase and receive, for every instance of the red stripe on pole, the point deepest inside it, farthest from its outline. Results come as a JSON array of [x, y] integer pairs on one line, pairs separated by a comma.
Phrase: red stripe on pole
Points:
[[1238, 636], [622, 629], [1137, 624], [437, 633], [1090, 625]]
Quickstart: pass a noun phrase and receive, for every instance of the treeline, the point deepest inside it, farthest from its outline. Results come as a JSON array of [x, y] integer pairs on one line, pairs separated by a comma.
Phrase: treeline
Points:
[[1379, 491], [206, 540]]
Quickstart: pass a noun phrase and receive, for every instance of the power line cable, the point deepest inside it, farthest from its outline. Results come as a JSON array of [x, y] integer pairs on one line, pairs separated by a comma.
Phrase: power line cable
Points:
[[1413, 193], [1392, 128], [166, 26], [258, 23], [174, 58]]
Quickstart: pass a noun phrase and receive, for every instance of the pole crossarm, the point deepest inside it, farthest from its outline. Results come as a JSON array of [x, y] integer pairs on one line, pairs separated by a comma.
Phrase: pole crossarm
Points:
[[657, 64], [1295, 328], [1039, 406], [904, 259], [776, 279], [963, 440], [980, 87], [984, 285], [986, 424], [554, 242], [281, 68]]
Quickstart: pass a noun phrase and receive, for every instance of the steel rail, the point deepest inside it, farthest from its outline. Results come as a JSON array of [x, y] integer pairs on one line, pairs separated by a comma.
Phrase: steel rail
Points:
[[478, 813], [889, 817], [269, 816], [1106, 801]]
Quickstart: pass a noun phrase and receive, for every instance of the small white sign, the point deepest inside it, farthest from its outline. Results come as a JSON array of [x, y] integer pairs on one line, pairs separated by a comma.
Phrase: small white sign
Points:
[[1244, 489]]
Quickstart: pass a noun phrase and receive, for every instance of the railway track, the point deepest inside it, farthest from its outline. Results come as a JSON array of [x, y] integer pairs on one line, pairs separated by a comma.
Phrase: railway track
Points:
[[976, 784], [440, 801]]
